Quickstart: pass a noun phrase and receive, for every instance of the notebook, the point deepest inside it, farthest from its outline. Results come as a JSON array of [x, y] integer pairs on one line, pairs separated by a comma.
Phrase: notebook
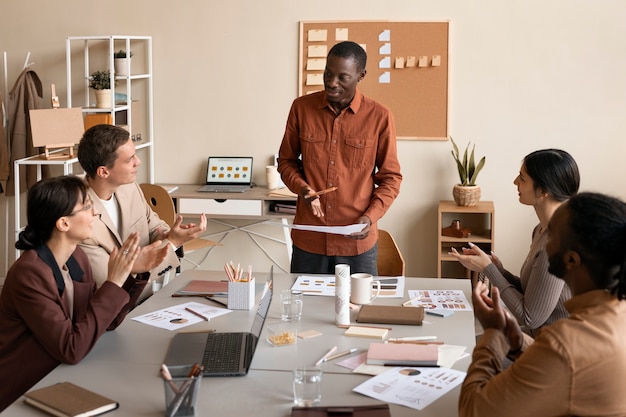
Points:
[[67, 399], [228, 174], [225, 353]]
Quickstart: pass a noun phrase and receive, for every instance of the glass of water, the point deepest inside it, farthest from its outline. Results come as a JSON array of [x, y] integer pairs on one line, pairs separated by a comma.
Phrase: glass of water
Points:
[[307, 386], [291, 305]]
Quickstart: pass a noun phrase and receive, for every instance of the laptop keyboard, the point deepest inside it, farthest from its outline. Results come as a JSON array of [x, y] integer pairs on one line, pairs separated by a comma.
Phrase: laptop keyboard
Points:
[[222, 352]]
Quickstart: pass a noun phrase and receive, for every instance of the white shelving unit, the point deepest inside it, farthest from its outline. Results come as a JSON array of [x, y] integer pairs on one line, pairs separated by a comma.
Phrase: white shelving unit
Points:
[[97, 54], [136, 84]]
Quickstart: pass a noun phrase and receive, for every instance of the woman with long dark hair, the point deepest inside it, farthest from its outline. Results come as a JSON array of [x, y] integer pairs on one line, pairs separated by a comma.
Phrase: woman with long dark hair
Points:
[[51, 311]]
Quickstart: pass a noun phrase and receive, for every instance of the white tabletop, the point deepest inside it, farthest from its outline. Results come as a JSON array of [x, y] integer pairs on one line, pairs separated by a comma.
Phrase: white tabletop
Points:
[[124, 364]]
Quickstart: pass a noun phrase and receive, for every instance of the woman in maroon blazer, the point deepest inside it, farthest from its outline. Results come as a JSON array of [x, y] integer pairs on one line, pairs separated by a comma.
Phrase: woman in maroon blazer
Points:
[[51, 311]]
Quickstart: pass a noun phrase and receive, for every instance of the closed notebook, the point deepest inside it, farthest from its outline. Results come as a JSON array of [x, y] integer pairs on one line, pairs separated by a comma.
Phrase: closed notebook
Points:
[[69, 400], [402, 354], [390, 314], [378, 410], [202, 288]]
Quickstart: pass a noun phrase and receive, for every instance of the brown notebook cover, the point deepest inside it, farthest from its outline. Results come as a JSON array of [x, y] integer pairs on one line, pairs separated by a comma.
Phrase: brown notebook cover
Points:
[[390, 314], [68, 400], [379, 410], [202, 288]]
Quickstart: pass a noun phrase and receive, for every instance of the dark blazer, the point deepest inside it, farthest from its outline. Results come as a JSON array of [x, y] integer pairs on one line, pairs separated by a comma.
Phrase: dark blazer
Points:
[[36, 331]]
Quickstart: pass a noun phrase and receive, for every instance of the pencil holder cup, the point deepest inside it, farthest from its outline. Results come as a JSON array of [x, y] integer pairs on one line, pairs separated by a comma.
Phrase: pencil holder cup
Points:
[[181, 394], [241, 295]]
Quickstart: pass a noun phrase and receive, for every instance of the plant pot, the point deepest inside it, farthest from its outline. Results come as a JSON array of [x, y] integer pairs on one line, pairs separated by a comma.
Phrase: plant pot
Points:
[[103, 99], [121, 66], [466, 196]]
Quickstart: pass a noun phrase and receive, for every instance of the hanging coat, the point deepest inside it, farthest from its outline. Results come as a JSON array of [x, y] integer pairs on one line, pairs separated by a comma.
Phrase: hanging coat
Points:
[[4, 148], [27, 94]]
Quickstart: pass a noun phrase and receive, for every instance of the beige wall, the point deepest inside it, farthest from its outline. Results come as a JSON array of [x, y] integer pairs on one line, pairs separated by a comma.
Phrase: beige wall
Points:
[[523, 76]]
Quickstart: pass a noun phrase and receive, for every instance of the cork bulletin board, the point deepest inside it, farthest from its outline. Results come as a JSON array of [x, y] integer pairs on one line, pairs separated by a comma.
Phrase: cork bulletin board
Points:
[[407, 69]]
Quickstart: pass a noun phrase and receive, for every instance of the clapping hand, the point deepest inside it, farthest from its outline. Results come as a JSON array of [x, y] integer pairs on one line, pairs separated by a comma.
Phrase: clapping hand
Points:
[[121, 260], [473, 258]]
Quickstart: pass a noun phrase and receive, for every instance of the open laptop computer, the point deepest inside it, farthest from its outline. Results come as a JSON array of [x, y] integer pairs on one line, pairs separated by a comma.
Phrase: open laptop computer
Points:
[[225, 353], [228, 174]]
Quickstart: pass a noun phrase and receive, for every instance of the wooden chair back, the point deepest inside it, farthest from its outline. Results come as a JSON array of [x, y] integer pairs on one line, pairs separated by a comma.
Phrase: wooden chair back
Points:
[[390, 261]]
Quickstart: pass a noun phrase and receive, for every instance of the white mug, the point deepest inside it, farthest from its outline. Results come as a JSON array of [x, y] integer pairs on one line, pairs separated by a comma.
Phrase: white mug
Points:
[[361, 288], [273, 177]]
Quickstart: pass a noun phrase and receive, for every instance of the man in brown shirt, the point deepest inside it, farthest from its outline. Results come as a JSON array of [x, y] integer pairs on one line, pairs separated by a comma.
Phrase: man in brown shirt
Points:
[[339, 138]]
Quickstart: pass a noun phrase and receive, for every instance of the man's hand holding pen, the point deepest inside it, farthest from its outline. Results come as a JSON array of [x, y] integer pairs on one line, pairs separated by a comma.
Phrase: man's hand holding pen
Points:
[[311, 198]]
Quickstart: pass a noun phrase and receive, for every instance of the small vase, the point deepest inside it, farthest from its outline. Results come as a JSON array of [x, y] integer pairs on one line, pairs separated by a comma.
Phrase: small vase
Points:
[[466, 195], [103, 99], [121, 65]]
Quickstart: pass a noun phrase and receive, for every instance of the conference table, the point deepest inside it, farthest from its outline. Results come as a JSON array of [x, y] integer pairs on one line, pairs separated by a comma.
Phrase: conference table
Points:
[[124, 365]]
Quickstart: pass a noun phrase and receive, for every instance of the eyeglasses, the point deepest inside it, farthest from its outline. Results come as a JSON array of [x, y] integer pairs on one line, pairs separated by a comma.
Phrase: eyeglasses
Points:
[[86, 207]]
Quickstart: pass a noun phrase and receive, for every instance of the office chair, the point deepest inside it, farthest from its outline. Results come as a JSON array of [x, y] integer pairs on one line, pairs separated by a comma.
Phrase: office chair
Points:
[[161, 202], [390, 262]]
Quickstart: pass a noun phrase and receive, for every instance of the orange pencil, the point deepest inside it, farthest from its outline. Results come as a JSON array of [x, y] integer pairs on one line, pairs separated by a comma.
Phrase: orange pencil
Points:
[[317, 194]]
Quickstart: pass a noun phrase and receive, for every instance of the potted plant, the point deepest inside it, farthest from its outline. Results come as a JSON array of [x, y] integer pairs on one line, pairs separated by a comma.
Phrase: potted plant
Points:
[[466, 192], [100, 82], [121, 62]]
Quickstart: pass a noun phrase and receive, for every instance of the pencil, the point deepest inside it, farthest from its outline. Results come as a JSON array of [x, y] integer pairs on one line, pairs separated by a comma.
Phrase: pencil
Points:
[[202, 316], [340, 354], [319, 193], [330, 352]]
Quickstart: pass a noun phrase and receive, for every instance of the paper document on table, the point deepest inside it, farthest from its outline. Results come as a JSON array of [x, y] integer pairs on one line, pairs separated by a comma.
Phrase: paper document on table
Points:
[[391, 287], [336, 230], [412, 387], [315, 285], [454, 300], [177, 316]]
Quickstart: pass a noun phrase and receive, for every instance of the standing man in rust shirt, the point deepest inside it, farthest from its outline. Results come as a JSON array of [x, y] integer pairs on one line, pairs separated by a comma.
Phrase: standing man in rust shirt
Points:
[[339, 138]]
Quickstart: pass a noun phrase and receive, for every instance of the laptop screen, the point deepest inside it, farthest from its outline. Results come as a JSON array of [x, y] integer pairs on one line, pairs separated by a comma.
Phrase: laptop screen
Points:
[[229, 170]]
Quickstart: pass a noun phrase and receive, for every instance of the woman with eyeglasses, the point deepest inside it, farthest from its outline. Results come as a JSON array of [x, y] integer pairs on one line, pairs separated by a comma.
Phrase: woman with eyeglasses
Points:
[[51, 311]]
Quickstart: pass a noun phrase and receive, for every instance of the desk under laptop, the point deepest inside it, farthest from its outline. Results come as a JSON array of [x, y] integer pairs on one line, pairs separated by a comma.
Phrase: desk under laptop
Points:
[[253, 205], [124, 364]]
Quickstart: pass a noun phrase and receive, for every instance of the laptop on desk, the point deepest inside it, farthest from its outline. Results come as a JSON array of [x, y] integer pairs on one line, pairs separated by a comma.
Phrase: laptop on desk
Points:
[[228, 174], [224, 353]]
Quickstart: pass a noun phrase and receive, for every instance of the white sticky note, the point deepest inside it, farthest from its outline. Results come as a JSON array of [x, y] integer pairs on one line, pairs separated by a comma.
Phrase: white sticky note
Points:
[[410, 61], [317, 35], [399, 62], [314, 79], [385, 62], [384, 78], [315, 64], [341, 34], [317, 51], [436, 61], [384, 36], [423, 61], [385, 49], [364, 46]]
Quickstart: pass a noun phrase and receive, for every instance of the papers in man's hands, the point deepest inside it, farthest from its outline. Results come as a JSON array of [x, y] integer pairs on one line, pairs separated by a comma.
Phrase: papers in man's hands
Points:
[[336, 230], [412, 387], [175, 317]]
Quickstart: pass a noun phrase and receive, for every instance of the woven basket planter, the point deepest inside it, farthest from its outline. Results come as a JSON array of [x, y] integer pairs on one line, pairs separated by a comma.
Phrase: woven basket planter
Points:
[[466, 196]]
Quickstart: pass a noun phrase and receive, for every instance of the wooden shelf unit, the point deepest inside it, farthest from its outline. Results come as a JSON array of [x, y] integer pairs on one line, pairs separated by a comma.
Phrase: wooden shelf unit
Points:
[[480, 219]]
